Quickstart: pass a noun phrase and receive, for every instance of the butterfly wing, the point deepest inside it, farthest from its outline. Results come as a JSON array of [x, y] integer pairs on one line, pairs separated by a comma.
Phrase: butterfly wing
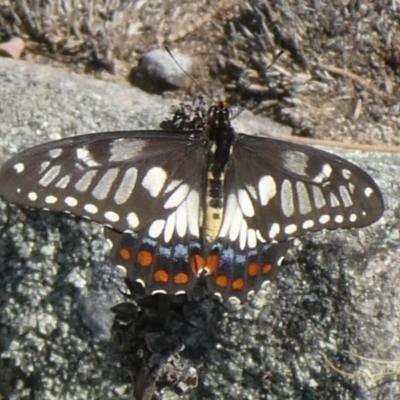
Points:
[[276, 190], [157, 265], [240, 270], [124, 180], [283, 190], [151, 184]]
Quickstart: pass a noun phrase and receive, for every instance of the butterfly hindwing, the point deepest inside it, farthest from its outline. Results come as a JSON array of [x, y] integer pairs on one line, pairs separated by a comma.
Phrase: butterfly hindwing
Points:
[[237, 272], [155, 265]]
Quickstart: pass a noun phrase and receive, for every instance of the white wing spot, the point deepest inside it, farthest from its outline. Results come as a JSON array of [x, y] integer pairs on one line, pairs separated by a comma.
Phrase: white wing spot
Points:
[[251, 238], [287, 203], [43, 166], [327, 170], [323, 219], [295, 162], [63, 182], [124, 271], [19, 168], [140, 282], [154, 180], [324, 174], [245, 203], [132, 220], [334, 201], [169, 227], [252, 190], [84, 155], [346, 174], [266, 189], [181, 220], [126, 186], [319, 198], [172, 185], [32, 196], [83, 184], [110, 244], [177, 197], [158, 291], [292, 228], [235, 223], [308, 224], [111, 216], [124, 149], [339, 219], [344, 193], [55, 153], [274, 231], [91, 208], [303, 197], [243, 235], [193, 211], [103, 186], [71, 201], [50, 199], [368, 191], [353, 218], [156, 228], [352, 188], [260, 237], [49, 176], [230, 208]]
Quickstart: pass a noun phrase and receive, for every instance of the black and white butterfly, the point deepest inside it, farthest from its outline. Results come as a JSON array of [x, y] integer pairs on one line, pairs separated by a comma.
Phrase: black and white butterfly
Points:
[[178, 205]]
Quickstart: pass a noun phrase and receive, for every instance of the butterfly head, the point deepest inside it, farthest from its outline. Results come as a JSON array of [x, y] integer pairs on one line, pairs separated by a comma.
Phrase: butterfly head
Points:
[[219, 115]]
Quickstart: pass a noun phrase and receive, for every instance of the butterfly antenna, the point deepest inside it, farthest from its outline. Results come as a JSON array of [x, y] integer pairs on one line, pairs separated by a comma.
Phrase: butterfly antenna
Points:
[[189, 76]]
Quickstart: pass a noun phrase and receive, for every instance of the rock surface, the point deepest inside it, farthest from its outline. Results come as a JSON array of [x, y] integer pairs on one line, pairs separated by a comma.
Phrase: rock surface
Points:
[[337, 293]]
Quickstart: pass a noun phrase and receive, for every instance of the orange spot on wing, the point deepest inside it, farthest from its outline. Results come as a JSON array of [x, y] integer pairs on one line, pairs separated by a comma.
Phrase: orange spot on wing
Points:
[[161, 276], [181, 278], [144, 258], [222, 281], [197, 263], [212, 262], [267, 268], [253, 269], [238, 284], [125, 253]]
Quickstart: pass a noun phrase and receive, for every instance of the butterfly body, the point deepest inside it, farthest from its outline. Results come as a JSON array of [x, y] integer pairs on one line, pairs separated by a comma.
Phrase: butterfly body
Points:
[[221, 140], [181, 205]]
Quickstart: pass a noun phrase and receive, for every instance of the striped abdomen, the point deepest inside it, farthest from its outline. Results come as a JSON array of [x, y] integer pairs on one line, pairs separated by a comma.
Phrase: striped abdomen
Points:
[[219, 154]]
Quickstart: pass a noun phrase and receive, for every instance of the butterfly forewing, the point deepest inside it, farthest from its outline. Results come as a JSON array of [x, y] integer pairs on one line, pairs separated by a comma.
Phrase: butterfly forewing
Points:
[[126, 180], [282, 190]]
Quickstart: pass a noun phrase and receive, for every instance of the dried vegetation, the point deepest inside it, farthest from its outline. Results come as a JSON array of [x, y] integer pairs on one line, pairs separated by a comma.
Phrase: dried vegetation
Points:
[[338, 77]]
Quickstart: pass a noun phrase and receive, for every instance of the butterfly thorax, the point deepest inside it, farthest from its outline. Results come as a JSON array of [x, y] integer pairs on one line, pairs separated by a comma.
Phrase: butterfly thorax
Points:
[[221, 139]]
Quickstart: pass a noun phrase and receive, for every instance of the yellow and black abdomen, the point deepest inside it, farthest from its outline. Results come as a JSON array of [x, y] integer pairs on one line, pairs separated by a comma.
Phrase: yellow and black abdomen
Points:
[[222, 139]]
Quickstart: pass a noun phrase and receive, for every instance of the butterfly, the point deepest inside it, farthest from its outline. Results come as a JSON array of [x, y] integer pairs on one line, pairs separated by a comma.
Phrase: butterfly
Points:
[[182, 204]]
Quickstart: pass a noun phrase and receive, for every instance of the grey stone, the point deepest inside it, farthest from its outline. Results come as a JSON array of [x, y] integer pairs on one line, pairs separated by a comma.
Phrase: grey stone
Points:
[[158, 71], [337, 292]]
